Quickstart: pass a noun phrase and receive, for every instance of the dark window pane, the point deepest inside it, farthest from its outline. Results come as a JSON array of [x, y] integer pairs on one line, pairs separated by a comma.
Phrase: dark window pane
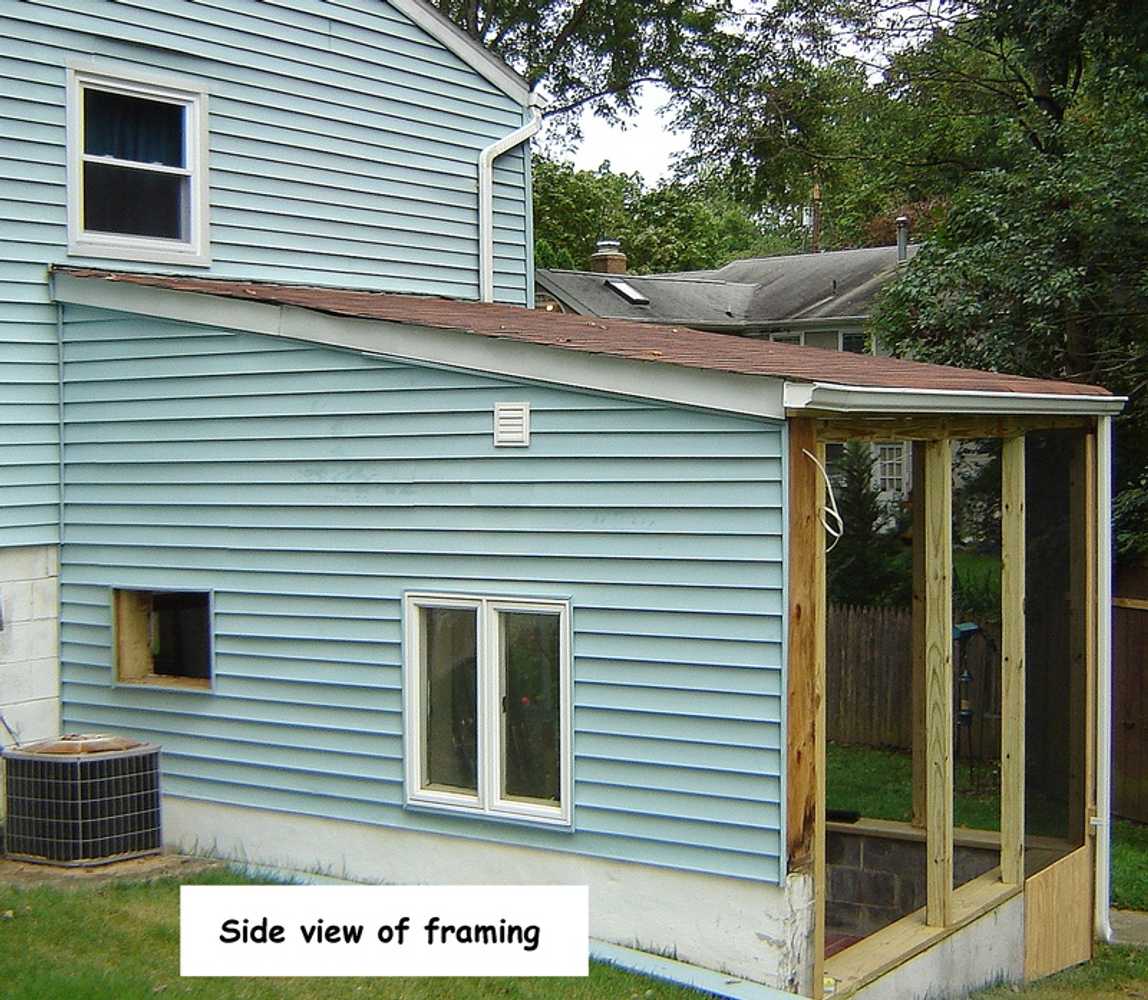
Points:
[[450, 698], [131, 128], [134, 202], [855, 343], [181, 635], [532, 699]]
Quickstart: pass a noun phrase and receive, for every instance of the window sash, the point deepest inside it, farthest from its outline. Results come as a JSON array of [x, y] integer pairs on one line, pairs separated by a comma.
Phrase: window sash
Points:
[[489, 800]]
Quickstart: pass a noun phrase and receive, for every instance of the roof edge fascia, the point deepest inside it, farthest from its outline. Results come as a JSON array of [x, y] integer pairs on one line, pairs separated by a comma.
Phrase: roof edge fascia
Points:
[[727, 392], [476, 56], [835, 398]]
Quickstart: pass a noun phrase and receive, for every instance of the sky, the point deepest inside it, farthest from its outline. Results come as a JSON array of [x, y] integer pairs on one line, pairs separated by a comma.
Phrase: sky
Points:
[[645, 146]]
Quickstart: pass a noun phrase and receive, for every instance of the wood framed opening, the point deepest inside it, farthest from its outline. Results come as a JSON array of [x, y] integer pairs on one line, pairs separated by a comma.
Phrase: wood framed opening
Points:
[[956, 892]]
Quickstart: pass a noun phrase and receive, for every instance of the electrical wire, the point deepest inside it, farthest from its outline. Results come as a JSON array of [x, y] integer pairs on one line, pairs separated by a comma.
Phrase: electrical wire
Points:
[[836, 530]]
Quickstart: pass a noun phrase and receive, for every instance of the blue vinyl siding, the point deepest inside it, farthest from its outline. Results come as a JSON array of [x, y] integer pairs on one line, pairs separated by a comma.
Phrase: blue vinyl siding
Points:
[[309, 488], [343, 151]]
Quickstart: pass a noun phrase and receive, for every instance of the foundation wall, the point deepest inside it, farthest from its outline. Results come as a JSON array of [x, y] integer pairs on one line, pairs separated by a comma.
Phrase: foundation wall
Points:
[[875, 880], [748, 928], [989, 950], [29, 646]]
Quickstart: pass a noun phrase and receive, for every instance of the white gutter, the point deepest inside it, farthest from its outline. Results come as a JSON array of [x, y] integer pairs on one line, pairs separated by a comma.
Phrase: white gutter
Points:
[[486, 197], [1102, 821], [836, 398]]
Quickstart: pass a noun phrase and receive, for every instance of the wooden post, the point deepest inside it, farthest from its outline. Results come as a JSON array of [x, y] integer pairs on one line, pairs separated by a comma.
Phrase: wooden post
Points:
[[939, 682], [805, 741], [918, 634], [1012, 661]]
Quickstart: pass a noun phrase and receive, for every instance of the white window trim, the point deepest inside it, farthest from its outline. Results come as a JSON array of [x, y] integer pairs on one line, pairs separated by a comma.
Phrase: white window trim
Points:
[[196, 250], [488, 801]]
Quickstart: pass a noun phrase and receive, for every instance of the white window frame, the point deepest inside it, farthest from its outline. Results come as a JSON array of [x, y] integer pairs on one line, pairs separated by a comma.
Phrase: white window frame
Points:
[[488, 800], [888, 460], [196, 249]]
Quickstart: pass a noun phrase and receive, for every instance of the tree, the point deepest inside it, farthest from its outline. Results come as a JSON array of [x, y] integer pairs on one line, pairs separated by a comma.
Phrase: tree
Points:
[[868, 565], [589, 52], [673, 226]]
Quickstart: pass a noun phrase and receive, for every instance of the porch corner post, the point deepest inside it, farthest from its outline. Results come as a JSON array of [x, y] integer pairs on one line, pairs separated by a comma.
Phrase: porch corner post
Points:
[[1012, 660], [939, 683]]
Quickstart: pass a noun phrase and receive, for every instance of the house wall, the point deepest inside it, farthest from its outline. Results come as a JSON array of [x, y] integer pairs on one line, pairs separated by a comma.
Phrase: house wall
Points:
[[308, 488], [343, 151]]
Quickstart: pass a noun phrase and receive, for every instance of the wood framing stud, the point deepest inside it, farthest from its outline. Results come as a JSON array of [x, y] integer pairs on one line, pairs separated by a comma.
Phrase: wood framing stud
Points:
[[852, 427], [939, 683], [917, 499], [805, 738], [1012, 661]]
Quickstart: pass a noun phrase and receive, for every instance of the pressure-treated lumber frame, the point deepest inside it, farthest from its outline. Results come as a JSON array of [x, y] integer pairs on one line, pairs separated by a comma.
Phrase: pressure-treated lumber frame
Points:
[[1012, 660], [939, 683], [805, 750]]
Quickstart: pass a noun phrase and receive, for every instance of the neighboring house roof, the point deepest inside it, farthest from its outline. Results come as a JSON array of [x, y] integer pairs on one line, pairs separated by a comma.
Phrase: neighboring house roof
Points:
[[762, 291], [664, 346], [473, 53]]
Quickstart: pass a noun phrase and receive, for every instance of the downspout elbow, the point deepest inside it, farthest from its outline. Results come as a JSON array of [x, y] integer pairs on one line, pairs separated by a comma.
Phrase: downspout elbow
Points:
[[486, 160]]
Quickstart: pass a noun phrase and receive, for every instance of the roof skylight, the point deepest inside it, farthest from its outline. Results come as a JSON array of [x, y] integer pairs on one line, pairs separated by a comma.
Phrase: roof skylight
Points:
[[628, 292]]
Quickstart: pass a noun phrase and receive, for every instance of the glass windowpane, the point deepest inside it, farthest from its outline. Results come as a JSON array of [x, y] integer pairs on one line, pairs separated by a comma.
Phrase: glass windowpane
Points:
[[531, 704], [135, 202], [133, 128], [449, 643]]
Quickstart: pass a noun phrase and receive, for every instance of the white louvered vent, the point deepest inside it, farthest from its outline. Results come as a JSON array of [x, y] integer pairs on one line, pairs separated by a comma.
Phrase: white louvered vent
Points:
[[511, 425]]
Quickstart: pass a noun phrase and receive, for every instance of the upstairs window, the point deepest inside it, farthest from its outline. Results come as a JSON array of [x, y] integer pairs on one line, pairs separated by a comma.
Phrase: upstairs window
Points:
[[137, 171]]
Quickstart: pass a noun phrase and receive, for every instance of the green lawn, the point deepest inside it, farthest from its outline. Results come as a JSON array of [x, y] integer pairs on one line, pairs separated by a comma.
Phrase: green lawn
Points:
[[1116, 973], [120, 941]]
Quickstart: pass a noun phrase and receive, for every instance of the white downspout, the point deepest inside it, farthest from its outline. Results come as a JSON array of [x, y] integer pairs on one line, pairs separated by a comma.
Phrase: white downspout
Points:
[[1102, 820], [486, 197]]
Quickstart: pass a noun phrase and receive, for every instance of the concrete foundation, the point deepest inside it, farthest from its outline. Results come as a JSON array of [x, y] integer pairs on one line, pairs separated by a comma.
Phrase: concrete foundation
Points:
[[749, 929], [989, 950], [875, 880]]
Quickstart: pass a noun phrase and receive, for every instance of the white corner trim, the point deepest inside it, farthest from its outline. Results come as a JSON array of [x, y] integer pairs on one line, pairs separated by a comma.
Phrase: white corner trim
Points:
[[453, 38], [747, 395], [837, 398]]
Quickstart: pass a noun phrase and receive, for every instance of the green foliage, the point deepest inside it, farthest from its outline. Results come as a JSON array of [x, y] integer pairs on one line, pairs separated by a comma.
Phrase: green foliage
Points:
[[869, 565], [589, 52], [673, 226], [1130, 512]]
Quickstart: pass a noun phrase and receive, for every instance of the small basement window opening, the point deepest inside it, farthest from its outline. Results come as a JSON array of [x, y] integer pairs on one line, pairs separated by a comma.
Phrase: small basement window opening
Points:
[[628, 292], [163, 637]]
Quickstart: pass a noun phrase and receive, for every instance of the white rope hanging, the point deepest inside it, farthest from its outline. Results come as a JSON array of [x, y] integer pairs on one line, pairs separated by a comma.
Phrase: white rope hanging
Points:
[[837, 529]]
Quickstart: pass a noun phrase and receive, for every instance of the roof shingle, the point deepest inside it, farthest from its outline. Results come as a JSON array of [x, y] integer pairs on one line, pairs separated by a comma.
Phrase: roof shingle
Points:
[[670, 345]]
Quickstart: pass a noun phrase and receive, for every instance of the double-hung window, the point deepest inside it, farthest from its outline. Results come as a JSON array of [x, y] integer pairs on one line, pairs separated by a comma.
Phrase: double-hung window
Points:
[[137, 169], [487, 683]]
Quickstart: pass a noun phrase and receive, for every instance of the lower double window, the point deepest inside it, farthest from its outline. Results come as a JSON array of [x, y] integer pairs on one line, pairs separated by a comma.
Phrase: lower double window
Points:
[[487, 683]]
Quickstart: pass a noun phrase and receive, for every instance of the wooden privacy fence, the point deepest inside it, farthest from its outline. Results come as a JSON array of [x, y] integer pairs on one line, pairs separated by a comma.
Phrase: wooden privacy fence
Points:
[[870, 685], [1130, 708]]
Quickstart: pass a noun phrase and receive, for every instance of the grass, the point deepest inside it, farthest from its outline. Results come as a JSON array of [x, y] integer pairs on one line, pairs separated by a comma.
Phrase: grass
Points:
[[120, 941], [1129, 866], [879, 784], [1115, 972]]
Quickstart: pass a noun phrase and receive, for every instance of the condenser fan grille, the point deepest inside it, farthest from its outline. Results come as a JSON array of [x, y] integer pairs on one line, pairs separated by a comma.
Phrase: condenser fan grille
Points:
[[83, 809]]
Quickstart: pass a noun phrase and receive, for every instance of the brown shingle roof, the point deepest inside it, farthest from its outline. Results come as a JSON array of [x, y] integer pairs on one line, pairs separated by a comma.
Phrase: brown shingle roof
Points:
[[616, 338]]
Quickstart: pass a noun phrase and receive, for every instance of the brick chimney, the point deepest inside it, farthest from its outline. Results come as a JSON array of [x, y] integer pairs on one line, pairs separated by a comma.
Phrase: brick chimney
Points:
[[608, 258]]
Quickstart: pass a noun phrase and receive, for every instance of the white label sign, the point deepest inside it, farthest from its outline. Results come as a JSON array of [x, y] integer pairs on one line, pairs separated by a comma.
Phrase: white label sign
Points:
[[257, 930]]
